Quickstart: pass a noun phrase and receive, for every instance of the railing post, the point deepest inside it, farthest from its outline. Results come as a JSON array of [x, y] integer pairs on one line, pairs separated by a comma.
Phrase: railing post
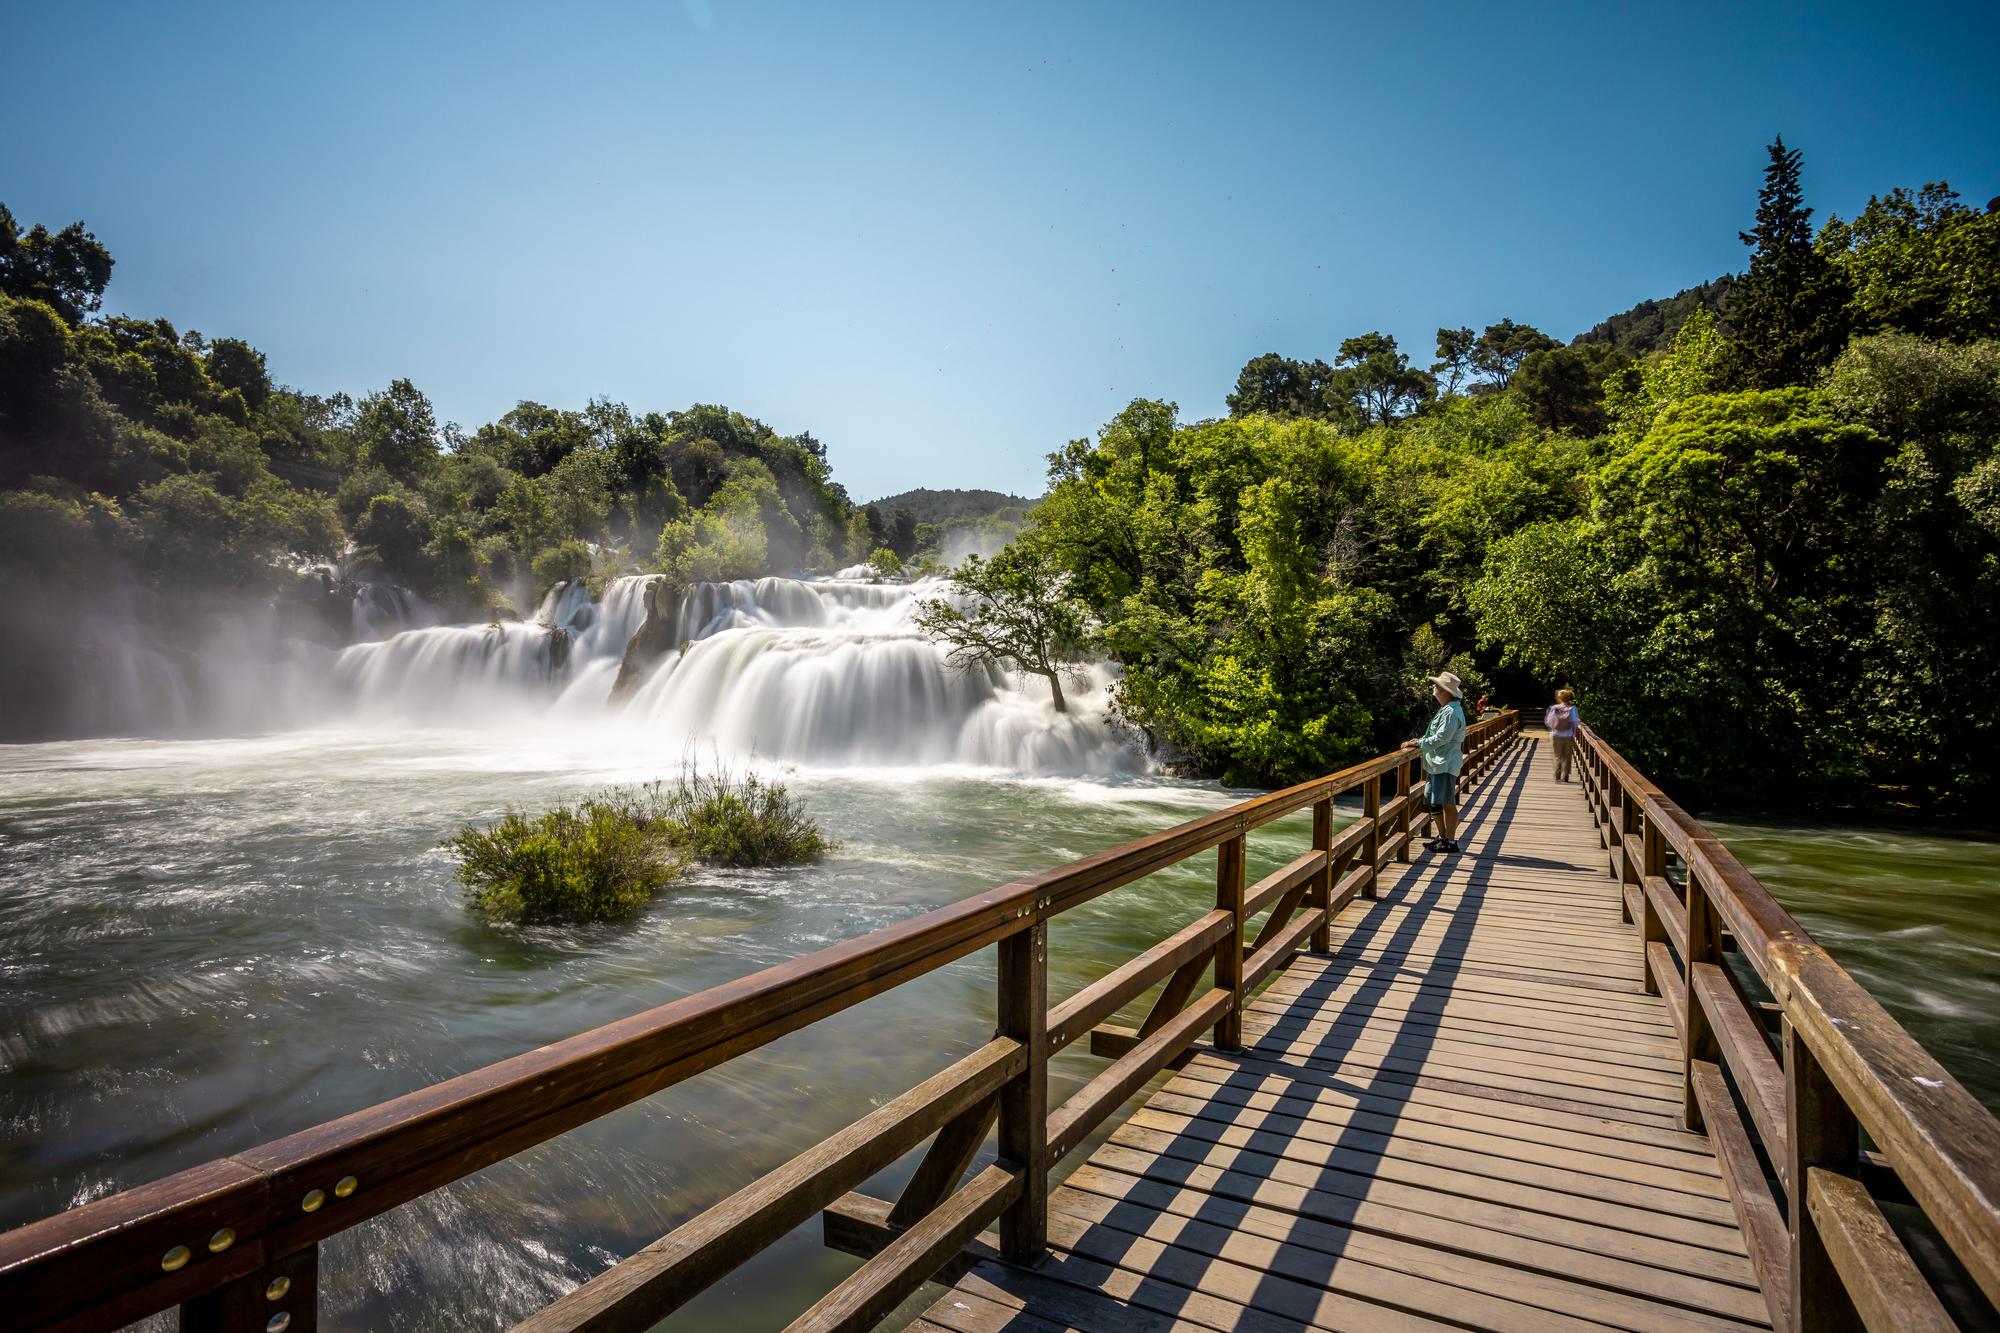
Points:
[[1229, 889], [1405, 772], [1024, 1099], [1371, 810], [1320, 895], [281, 1297], [1819, 1131], [1704, 946]]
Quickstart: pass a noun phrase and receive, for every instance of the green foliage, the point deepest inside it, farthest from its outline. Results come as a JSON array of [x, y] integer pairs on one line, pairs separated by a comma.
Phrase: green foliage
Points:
[[943, 507], [1920, 263], [1650, 325], [67, 269], [738, 820], [1563, 387], [600, 859], [1018, 613], [1693, 364], [1454, 364], [1278, 386], [1503, 347], [1789, 313], [605, 857], [885, 563], [1709, 607], [563, 563], [397, 431], [1377, 380]]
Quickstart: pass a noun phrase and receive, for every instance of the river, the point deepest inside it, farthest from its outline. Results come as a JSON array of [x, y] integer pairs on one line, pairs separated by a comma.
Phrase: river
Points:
[[209, 943]]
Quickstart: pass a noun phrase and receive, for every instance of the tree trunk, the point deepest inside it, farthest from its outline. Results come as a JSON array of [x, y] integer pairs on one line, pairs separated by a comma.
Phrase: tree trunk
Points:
[[1055, 689]]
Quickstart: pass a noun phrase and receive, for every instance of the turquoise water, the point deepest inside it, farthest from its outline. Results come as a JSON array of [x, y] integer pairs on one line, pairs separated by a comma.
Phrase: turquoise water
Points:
[[206, 945], [1914, 916]]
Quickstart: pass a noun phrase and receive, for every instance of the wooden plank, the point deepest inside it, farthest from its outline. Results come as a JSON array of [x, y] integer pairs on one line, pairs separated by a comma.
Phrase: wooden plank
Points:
[[1882, 1281], [1158, 1264], [1281, 881], [1944, 1144], [1647, 1266], [1559, 1167], [644, 1288], [1499, 1124], [1088, 1105], [907, 1262], [1579, 1222], [1673, 915], [1748, 1058], [1267, 957], [1288, 1258], [1491, 1029], [1323, 883], [1520, 1286], [1764, 1234], [858, 1224], [1667, 981], [1115, 989], [993, 1299], [946, 1162]]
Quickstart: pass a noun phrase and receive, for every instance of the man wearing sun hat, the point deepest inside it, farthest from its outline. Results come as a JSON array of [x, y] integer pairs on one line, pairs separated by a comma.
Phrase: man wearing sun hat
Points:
[[1439, 746]]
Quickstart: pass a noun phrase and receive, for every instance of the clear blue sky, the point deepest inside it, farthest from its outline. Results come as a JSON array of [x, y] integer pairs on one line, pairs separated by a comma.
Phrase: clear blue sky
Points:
[[944, 237]]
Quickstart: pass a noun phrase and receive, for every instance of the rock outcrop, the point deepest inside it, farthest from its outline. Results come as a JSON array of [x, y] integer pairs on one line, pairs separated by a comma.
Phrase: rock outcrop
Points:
[[654, 640]]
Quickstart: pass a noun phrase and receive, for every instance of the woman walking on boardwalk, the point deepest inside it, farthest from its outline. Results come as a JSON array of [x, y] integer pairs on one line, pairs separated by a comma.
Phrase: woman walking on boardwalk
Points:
[[1440, 746], [1561, 721]]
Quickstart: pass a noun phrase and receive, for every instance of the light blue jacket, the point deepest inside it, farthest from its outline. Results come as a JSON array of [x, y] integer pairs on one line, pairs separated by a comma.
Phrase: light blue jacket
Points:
[[1440, 745]]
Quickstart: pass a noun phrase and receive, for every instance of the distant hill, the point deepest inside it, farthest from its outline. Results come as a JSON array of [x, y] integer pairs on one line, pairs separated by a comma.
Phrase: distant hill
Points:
[[1650, 325], [943, 507]]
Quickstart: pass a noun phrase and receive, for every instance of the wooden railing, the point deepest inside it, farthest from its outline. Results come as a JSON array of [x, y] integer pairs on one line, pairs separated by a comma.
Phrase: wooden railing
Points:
[[234, 1243], [1786, 1088]]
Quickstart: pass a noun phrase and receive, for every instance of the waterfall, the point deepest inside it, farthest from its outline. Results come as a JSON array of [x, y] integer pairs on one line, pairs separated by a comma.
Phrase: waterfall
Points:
[[824, 672]]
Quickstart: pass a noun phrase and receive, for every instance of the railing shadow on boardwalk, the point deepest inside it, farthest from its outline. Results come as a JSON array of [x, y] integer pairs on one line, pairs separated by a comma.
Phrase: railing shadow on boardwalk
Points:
[[1318, 1239]]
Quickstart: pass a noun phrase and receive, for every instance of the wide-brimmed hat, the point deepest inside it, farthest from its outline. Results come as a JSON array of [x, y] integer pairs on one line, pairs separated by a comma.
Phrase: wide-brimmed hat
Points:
[[1450, 682]]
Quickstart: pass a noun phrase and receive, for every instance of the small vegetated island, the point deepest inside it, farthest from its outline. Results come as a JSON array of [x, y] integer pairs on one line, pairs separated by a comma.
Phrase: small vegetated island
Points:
[[603, 858]]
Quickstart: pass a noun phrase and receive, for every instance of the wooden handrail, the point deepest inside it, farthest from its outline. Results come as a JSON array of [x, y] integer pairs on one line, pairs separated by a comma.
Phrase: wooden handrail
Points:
[[218, 1238], [1841, 1066]]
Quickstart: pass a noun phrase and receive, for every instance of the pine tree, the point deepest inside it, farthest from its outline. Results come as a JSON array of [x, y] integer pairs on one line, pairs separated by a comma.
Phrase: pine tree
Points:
[[1790, 311]]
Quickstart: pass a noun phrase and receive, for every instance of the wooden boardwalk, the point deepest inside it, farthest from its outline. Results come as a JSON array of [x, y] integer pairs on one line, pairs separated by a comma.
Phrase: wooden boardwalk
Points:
[[1468, 1115]]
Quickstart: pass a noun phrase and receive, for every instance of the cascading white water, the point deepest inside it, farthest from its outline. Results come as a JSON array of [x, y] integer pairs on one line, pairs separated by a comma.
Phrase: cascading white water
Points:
[[826, 672]]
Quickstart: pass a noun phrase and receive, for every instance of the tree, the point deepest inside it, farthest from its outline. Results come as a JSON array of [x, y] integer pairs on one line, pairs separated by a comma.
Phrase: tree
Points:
[[1564, 386], [1454, 361], [235, 364], [1790, 310], [1378, 379], [1503, 347], [1282, 387], [1018, 613], [69, 269], [1711, 605], [1920, 263], [397, 431], [902, 535], [884, 563]]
